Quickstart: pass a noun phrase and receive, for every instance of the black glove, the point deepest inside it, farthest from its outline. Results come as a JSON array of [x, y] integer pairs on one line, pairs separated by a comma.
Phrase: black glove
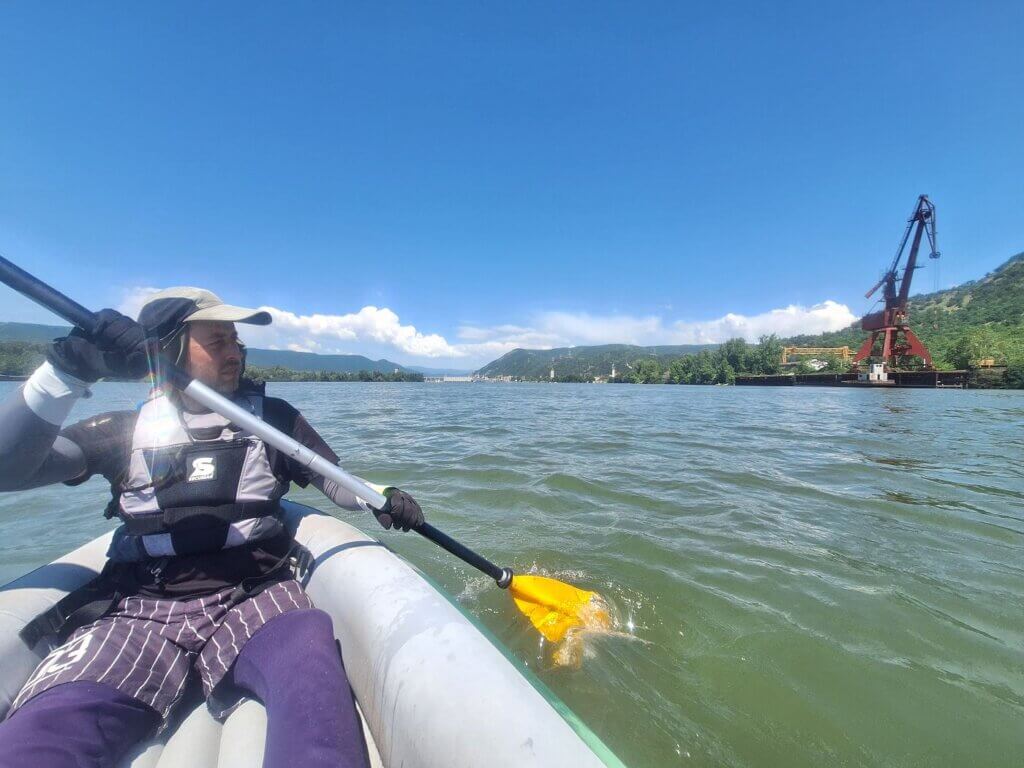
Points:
[[400, 511], [117, 349]]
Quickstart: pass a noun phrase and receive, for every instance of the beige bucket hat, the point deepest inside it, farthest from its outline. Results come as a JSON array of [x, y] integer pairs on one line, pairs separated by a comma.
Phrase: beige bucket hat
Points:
[[165, 313]]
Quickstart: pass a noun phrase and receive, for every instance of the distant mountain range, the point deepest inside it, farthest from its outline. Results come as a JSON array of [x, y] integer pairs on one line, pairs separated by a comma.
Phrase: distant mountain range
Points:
[[310, 361], [585, 362], [263, 358]]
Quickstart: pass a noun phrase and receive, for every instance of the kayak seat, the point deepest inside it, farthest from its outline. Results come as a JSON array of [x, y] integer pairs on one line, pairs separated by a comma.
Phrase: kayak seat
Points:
[[423, 673], [199, 741]]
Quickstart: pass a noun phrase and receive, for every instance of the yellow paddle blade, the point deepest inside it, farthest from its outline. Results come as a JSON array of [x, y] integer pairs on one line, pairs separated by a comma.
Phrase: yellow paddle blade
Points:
[[555, 607]]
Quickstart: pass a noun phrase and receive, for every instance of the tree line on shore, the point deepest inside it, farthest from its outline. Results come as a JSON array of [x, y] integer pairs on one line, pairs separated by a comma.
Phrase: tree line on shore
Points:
[[20, 358], [280, 373], [720, 365], [974, 346]]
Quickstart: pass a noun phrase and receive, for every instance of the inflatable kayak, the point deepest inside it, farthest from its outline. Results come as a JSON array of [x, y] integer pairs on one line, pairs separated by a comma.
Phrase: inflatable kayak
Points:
[[412, 657]]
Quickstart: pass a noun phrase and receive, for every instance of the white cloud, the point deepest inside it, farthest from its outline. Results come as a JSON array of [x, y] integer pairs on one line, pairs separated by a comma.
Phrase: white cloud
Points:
[[827, 316], [584, 328], [377, 325], [327, 333], [565, 329], [380, 328], [474, 333]]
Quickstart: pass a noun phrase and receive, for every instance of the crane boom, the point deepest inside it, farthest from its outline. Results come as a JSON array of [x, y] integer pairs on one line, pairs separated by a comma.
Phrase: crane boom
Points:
[[924, 217]]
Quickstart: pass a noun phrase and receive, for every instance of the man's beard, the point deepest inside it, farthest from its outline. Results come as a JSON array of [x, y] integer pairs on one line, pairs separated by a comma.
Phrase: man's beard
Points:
[[228, 386]]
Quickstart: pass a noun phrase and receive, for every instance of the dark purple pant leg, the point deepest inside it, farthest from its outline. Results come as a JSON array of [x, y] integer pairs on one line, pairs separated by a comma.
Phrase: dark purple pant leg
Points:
[[75, 725], [292, 665]]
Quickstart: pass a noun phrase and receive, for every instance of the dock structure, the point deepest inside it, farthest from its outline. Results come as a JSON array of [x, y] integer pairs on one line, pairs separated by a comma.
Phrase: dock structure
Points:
[[451, 379], [929, 379]]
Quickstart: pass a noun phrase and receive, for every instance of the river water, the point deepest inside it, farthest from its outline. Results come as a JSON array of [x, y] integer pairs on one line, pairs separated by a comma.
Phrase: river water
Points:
[[813, 576]]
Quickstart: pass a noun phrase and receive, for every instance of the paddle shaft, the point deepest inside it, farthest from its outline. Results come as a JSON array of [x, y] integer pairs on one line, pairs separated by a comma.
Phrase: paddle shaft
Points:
[[503, 576], [32, 287], [55, 301]]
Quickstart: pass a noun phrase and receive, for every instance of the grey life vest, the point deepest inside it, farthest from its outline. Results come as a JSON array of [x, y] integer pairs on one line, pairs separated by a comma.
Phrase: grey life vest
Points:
[[195, 483]]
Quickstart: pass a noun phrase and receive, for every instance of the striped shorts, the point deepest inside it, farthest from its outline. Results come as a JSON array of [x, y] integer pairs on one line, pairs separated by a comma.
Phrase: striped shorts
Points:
[[147, 648]]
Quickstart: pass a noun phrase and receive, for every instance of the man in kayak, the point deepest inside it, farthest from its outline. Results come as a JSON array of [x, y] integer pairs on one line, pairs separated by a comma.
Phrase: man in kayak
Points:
[[199, 582]]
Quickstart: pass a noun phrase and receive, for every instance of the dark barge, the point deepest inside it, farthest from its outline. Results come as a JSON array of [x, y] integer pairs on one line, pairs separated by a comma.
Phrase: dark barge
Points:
[[894, 380]]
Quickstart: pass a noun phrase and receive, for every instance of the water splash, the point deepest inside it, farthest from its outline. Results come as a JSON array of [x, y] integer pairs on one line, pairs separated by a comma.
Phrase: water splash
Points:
[[596, 621]]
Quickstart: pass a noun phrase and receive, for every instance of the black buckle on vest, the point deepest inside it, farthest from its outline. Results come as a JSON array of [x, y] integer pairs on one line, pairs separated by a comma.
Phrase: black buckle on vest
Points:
[[297, 562], [302, 562]]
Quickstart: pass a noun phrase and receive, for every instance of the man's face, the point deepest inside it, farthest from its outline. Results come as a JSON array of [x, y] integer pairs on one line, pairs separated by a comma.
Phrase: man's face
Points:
[[214, 355]]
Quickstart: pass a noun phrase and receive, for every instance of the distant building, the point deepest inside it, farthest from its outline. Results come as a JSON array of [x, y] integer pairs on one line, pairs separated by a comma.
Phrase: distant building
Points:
[[875, 372], [552, 374]]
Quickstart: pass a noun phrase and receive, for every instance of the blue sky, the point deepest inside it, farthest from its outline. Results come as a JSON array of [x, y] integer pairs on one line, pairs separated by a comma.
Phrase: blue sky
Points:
[[442, 182]]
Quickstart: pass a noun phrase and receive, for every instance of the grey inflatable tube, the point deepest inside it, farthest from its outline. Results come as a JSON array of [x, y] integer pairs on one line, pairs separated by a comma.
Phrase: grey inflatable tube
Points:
[[434, 691]]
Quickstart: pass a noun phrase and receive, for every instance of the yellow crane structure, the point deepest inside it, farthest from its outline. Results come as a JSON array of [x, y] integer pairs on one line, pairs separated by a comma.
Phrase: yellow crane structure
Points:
[[840, 352]]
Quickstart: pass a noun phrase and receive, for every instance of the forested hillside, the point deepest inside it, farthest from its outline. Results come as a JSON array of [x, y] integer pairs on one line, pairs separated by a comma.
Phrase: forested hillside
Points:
[[310, 361], [32, 332], [978, 321], [582, 363]]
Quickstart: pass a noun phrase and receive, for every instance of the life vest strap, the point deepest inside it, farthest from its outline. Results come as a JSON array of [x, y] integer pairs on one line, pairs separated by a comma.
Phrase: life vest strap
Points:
[[187, 518], [78, 608]]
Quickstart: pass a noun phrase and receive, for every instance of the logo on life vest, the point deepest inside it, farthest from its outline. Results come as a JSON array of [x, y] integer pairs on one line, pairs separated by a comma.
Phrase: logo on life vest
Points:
[[203, 468]]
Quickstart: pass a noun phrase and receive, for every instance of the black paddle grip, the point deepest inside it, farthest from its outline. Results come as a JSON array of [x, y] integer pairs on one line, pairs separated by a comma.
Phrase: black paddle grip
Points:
[[33, 288]]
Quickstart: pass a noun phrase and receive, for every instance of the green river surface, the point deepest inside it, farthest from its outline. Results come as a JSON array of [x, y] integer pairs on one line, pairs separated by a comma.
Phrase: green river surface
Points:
[[813, 576]]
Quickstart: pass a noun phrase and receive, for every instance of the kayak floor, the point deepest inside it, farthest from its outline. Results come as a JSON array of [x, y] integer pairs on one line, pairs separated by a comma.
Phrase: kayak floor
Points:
[[199, 741]]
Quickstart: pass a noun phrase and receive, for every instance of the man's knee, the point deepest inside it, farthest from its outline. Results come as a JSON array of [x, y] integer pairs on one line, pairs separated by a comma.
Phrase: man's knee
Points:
[[296, 639], [306, 628], [291, 652], [75, 724], [292, 664]]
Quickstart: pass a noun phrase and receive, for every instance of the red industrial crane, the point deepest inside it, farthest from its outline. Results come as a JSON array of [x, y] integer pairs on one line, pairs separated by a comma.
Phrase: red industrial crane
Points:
[[890, 325]]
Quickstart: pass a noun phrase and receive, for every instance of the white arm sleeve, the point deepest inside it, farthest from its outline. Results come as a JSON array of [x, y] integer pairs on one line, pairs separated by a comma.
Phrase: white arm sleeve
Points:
[[51, 393]]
